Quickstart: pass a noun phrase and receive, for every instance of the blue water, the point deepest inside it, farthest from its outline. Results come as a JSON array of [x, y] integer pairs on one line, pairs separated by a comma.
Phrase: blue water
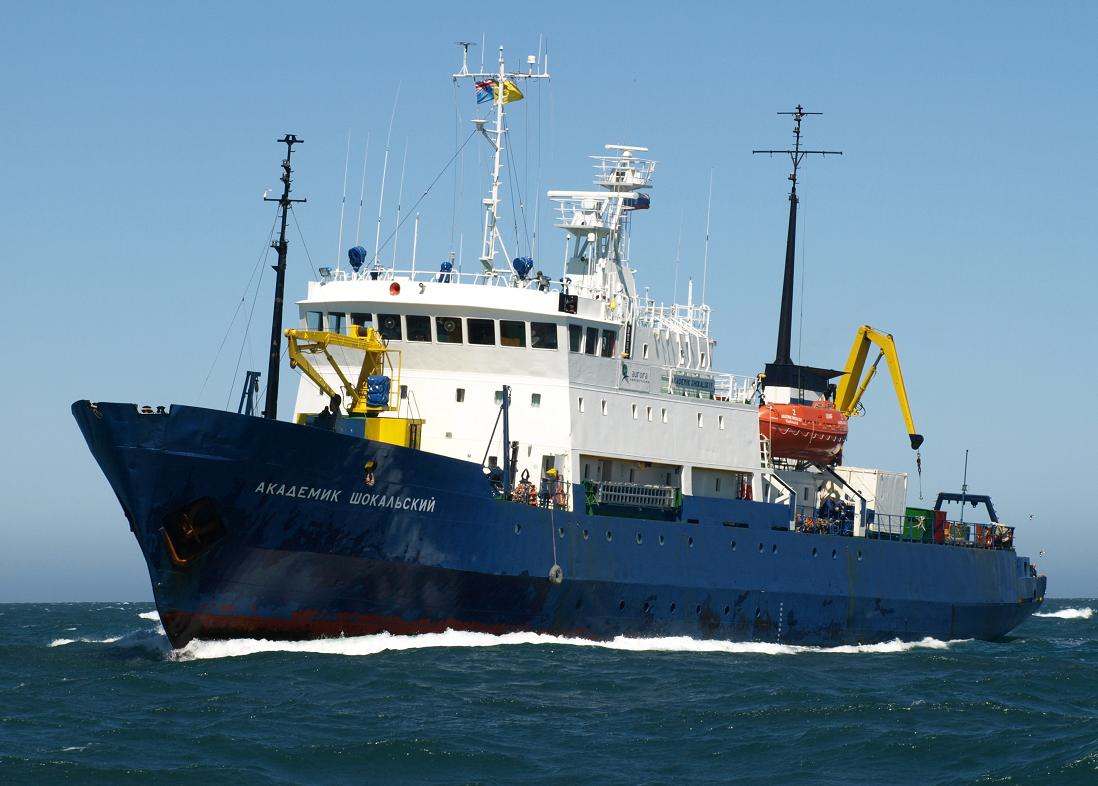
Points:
[[93, 693]]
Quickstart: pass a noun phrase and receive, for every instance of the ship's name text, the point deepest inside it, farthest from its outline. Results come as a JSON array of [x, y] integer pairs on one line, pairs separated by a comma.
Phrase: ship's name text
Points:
[[393, 501]]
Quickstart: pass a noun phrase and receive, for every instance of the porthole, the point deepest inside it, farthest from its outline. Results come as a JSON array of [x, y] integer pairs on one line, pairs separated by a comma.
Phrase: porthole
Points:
[[518, 528], [833, 553], [647, 607], [690, 542], [661, 540], [726, 610], [774, 549], [586, 534], [672, 608], [560, 531], [814, 552], [760, 548], [698, 609], [757, 612], [733, 544], [859, 556], [621, 605], [639, 539], [609, 536]]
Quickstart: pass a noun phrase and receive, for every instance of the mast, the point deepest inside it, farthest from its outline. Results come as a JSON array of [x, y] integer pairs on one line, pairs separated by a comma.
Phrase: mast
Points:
[[494, 136], [284, 202], [785, 319]]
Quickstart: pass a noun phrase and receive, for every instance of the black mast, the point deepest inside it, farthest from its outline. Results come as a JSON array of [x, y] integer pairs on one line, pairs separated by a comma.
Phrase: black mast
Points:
[[271, 409], [783, 366]]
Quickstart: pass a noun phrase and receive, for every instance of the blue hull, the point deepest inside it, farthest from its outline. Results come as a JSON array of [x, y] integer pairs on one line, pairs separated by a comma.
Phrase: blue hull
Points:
[[283, 537]]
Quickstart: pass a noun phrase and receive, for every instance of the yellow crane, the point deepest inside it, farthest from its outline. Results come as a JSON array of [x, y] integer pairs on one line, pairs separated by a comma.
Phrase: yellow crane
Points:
[[374, 366], [376, 390], [852, 387]]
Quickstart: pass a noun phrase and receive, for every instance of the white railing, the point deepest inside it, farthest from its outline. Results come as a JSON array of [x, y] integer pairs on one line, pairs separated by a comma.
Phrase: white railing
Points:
[[623, 172], [693, 320], [498, 278]]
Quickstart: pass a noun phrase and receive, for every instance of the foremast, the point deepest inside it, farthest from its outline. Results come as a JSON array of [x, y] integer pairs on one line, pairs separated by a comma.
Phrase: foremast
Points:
[[503, 85]]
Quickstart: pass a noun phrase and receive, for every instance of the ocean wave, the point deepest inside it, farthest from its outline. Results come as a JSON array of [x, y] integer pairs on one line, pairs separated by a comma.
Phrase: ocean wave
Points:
[[384, 642], [153, 641], [1067, 614], [150, 615]]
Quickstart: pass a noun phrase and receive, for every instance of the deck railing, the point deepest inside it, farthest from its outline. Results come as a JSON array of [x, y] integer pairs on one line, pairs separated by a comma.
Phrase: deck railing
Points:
[[911, 529]]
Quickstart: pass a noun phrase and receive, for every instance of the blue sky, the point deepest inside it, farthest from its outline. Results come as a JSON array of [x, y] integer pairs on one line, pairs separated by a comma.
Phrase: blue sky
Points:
[[139, 139]]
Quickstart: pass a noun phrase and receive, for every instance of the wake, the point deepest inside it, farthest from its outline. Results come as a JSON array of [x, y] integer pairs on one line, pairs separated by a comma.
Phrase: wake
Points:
[[1067, 614], [359, 646], [154, 641]]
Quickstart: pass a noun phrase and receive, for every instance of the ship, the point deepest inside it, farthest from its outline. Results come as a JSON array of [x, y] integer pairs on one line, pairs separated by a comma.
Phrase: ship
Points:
[[504, 450]]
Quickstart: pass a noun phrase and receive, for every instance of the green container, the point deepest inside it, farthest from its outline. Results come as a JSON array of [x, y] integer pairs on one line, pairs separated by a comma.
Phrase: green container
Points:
[[919, 524]]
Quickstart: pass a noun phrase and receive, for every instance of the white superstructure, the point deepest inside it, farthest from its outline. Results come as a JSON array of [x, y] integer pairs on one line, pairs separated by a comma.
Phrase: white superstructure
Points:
[[607, 385]]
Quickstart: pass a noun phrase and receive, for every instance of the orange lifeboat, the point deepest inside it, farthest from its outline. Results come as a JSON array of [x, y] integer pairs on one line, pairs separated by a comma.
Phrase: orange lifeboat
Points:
[[804, 432]]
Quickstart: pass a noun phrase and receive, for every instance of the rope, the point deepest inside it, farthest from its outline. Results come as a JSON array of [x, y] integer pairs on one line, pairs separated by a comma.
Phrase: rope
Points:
[[301, 235], [412, 209], [259, 260]]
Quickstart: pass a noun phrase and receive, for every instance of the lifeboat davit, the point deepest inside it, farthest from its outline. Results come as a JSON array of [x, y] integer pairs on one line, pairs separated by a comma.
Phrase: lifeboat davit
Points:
[[804, 432]]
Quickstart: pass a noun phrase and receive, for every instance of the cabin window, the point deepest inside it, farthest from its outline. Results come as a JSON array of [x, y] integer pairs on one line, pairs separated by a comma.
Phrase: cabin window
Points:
[[703, 360], [404, 391], [543, 335], [605, 410], [314, 320], [535, 399], [512, 334], [419, 327], [634, 408], [335, 323], [460, 395], [579, 403], [362, 321], [609, 339], [389, 326], [592, 344], [716, 484], [644, 352], [447, 330], [720, 422], [482, 331], [499, 397], [575, 338], [699, 420], [648, 412], [663, 414]]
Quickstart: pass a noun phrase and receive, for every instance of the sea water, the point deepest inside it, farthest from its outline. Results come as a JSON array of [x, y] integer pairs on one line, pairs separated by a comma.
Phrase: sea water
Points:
[[93, 693]]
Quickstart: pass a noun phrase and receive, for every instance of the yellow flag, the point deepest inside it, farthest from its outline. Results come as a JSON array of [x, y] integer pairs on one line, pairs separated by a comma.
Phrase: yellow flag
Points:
[[511, 92]]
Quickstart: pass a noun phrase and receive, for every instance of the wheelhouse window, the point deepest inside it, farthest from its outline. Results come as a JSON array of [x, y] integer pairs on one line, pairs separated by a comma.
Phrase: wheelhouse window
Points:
[[362, 321], [482, 331], [512, 334], [419, 328], [592, 345], [575, 338], [389, 326], [335, 322], [448, 330], [609, 340], [543, 335], [314, 320]]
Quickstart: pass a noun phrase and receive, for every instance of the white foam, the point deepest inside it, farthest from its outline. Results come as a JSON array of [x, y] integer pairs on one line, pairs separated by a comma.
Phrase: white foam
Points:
[[150, 615], [1067, 614], [384, 642], [63, 642]]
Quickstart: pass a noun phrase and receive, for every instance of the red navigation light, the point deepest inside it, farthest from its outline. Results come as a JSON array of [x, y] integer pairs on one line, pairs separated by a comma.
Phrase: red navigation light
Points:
[[394, 288]]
